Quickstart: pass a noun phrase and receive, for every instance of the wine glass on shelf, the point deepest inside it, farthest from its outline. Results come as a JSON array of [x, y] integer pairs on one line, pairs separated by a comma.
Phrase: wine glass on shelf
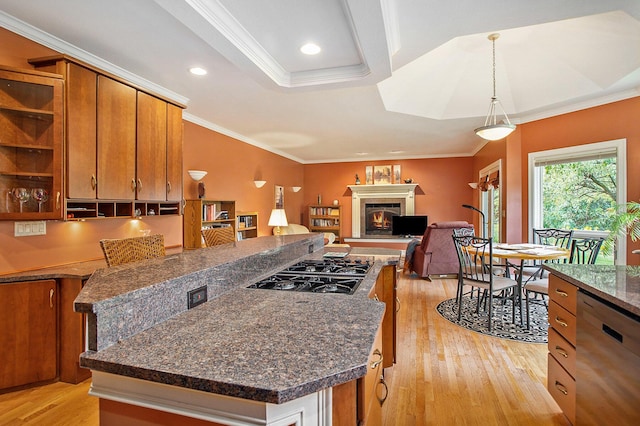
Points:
[[40, 195], [22, 195]]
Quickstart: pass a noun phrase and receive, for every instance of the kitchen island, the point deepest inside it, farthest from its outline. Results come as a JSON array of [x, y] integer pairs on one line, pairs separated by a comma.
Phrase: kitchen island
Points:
[[247, 356], [594, 342]]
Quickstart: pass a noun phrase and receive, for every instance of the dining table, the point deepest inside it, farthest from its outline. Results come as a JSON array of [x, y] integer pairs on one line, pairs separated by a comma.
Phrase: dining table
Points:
[[524, 252]]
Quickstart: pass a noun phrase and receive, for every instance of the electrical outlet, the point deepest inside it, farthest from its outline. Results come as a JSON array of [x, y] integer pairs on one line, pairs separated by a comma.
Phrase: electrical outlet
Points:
[[25, 229], [196, 297], [310, 248]]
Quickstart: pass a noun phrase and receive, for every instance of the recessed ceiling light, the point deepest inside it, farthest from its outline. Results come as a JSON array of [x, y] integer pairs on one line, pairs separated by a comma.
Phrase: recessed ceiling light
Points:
[[361, 153], [396, 151], [198, 71], [310, 49]]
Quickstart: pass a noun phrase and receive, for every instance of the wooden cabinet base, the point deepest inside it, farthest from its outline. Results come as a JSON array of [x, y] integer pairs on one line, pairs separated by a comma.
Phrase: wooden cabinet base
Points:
[[28, 341], [72, 333], [114, 413]]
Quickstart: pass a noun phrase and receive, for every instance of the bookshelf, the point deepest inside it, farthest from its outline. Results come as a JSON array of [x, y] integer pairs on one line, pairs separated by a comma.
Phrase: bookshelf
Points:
[[247, 225], [200, 214], [326, 218]]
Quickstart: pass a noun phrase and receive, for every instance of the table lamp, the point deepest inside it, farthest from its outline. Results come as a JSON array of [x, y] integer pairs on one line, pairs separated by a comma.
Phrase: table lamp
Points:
[[278, 218]]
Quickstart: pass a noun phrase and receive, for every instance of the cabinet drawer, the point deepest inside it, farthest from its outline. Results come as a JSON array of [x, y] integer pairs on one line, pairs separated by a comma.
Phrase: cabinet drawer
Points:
[[563, 321], [562, 388], [562, 351], [563, 293]]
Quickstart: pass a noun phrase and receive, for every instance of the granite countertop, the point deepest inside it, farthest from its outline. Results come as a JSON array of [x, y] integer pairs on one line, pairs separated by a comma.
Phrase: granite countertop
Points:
[[619, 285], [261, 345]]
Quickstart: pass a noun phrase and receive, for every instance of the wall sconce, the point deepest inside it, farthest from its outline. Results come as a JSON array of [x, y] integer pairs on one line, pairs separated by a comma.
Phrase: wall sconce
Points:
[[296, 188], [473, 185], [197, 175], [259, 183]]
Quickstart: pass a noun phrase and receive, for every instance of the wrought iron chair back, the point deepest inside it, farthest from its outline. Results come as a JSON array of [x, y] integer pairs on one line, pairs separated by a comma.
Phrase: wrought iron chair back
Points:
[[585, 250], [475, 255]]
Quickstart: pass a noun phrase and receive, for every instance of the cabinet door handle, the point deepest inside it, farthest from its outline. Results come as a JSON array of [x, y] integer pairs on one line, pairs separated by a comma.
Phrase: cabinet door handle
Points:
[[58, 200], [375, 364], [397, 305], [562, 352], [133, 185], [386, 391], [168, 187], [561, 322], [561, 388], [562, 293], [139, 185], [51, 293], [94, 182]]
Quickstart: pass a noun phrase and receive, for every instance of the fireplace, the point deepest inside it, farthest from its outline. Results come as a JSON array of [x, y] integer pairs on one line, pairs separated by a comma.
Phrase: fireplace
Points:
[[377, 216], [384, 201]]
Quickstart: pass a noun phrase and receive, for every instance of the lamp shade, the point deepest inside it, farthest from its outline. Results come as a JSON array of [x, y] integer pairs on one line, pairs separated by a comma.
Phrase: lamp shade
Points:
[[495, 132], [259, 183], [278, 218], [197, 174]]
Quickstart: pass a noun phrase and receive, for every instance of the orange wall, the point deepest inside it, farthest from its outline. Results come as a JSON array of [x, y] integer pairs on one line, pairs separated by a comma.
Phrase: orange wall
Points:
[[232, 166], [618, 120], [442, 186]]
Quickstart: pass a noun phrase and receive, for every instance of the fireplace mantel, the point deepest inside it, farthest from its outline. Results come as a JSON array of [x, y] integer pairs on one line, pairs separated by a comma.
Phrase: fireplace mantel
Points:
[[393, 191]]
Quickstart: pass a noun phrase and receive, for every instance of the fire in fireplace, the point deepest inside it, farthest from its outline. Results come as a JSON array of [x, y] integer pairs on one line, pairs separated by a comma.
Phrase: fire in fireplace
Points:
[[378, 217]]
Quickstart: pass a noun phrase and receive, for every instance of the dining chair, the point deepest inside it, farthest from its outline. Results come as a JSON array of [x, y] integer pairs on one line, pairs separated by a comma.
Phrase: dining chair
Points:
[[549, 237], [217, 236], [584, 251], [475, 256], [134, 249]]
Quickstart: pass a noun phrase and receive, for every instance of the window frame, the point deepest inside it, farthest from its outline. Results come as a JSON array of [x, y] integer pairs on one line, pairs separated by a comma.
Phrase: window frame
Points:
[[579, 152]]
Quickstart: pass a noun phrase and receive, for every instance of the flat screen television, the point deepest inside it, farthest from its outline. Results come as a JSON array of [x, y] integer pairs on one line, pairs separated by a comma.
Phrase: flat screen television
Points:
[[409, 226]]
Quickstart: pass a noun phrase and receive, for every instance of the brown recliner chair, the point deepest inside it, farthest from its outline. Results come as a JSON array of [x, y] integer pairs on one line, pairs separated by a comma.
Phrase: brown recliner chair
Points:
[[436, 254]]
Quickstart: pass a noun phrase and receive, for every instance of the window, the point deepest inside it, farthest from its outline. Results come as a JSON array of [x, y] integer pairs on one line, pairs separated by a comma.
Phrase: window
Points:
[[579, 188], [491, 200]]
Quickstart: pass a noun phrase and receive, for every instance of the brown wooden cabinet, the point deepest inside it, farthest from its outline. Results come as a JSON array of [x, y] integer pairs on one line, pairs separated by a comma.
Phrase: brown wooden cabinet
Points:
[[81, 127], [123, 144], [31, 136], [561, 377], [28, 342], [116, 136], [151, 148], [385, 291], [174, 153]]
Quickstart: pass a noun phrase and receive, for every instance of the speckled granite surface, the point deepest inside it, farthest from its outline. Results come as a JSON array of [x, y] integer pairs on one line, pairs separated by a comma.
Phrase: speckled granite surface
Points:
[[619, 285], [123, 300], [262, 345]]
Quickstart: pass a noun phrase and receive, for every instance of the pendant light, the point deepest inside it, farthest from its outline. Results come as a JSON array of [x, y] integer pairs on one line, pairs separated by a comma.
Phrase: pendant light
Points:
[[492, 130]]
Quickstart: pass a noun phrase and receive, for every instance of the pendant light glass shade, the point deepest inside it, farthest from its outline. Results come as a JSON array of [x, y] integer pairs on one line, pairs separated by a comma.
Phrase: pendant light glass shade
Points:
[[492, 130]]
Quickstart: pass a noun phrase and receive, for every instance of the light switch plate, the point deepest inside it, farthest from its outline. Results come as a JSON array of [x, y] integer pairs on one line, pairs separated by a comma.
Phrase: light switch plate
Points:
[[25, 229]]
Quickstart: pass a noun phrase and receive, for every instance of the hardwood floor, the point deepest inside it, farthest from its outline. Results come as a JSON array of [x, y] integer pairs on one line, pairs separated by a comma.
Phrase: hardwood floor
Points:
[[444, 375]]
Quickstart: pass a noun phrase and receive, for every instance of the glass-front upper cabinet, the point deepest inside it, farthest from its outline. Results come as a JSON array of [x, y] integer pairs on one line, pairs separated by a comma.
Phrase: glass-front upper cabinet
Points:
[[31, 135]]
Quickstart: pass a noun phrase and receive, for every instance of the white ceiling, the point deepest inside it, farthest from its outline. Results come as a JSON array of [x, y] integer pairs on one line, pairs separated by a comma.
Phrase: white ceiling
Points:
[[395, 79]]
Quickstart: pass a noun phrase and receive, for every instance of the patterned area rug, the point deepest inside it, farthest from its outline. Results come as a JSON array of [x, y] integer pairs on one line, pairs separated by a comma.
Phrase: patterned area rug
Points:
[[502, 325]]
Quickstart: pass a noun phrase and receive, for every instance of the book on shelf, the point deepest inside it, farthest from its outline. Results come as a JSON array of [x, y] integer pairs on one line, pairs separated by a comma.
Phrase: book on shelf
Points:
[[216, 225]]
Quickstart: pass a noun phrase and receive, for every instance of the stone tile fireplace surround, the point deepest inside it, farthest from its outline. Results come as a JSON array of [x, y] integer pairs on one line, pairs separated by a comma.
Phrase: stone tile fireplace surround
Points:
[[387, 197]]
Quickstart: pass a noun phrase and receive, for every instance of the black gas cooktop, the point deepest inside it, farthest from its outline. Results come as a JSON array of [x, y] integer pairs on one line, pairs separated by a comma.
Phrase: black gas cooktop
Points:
[[319, 276]]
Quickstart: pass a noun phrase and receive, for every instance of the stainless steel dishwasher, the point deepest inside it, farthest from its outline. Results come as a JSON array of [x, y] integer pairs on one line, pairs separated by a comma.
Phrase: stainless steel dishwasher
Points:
[[607, 364]]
